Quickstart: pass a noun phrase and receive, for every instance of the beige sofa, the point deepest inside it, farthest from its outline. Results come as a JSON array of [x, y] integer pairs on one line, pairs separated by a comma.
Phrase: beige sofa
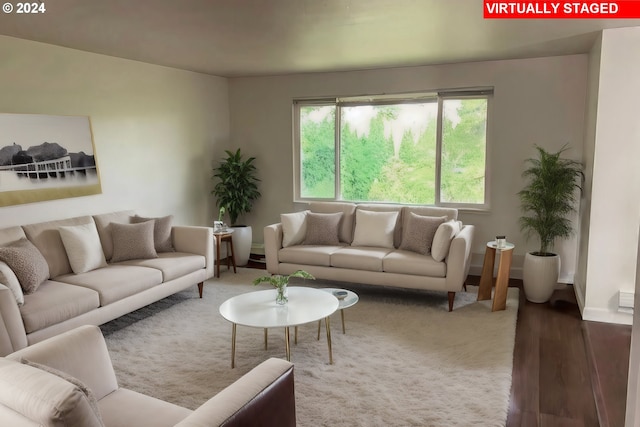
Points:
[[130, 273], [82, 390], [376, 244]]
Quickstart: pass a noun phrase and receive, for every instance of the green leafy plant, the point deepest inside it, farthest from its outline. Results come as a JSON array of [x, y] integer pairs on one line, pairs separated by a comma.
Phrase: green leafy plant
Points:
[[238, 185], [221, 213], [549, 197], [279, 280]]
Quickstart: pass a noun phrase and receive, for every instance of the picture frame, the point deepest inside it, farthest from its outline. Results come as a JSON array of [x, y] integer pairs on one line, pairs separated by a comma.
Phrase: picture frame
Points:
[[46, 157]]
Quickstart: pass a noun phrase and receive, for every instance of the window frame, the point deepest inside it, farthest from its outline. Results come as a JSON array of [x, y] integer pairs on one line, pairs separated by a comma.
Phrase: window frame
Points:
[[391, 99]]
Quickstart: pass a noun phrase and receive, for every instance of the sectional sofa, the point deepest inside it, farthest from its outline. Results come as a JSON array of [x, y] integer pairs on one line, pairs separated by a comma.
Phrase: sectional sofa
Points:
[[419, 247], [58, 275]]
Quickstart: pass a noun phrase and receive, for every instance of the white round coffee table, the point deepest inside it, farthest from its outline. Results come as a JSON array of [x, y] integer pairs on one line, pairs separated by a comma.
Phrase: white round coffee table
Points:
[[259, 310]]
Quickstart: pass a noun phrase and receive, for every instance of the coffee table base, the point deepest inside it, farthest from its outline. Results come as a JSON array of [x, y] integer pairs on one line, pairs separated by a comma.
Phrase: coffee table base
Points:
[[287, 344]]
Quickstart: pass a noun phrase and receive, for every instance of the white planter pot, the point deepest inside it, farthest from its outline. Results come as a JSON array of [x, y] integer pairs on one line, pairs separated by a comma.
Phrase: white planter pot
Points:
[[540, 276], [242, 238]]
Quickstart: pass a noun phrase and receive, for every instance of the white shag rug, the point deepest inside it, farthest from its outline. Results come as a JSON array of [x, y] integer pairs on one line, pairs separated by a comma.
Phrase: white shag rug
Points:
[[404, 360]]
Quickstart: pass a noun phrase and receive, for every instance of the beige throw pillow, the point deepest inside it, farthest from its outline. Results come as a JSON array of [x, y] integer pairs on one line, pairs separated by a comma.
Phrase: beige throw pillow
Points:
[[93, 402], [133, 241], [28, 264], [374, 228], [294, 228], [9, 279], [83, 247], [161, 232], [322, 229], [442, 239], [418, 233]]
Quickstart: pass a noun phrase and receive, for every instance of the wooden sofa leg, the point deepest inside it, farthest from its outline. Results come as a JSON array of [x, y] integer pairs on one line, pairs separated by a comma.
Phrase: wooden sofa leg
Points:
[[201, 286], [452, 296]]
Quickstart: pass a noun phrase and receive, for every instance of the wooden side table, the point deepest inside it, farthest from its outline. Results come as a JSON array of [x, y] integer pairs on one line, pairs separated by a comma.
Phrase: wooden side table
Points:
[[502, 281], [224, 236]]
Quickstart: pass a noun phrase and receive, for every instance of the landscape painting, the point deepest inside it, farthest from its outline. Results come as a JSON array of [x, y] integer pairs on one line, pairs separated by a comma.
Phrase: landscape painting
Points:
[[46, 157]]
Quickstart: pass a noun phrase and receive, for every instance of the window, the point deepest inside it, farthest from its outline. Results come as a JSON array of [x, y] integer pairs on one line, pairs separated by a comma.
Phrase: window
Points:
[[418, 149]]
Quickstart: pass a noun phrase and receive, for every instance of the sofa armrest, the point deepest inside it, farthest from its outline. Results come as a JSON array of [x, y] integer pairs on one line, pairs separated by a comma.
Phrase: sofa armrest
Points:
[[262, 397], [272, 244], [195, 240], [81, 353], [459, 259], [13, 336]]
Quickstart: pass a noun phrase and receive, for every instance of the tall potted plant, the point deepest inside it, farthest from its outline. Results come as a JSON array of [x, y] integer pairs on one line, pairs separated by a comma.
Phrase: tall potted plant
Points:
[[236, 190], [546, 201]]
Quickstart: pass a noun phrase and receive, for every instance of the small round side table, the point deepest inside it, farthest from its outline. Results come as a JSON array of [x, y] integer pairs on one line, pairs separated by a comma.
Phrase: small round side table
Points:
[[502, 281]]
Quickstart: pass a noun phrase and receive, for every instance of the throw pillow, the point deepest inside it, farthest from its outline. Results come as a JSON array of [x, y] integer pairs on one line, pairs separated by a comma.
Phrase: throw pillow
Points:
[[374, 228], [322, 229], [294, 228], [133, 241], [83, 247], [442, 239], [9, 279], [28, 264], [161, 232], [418, 232], [93, 402]]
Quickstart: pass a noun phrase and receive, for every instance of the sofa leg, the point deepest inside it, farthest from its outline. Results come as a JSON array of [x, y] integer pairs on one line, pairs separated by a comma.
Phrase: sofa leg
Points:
[[201, 286], [452, 296]]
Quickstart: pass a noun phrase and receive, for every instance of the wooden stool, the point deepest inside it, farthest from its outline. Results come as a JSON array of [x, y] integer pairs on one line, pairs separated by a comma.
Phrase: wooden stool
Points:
[[224, 237], [502, 281]]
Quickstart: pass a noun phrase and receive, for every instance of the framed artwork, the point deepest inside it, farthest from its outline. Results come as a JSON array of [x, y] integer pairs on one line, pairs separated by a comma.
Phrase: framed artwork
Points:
[[45, 157]]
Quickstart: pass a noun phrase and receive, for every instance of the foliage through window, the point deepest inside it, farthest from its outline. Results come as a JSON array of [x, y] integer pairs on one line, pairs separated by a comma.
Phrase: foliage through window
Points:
[[427, 149]]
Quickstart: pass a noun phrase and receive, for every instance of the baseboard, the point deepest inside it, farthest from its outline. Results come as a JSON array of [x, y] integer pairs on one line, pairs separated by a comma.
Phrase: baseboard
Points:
[[607, 316]]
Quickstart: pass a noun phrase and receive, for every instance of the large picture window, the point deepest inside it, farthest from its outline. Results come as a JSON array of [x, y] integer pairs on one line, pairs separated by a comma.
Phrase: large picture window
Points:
[[418, 149]]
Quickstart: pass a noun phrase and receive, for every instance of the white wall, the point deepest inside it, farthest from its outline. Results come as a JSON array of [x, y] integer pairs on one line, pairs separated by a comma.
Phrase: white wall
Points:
[[536, 101], [615, 194], [155, 128]]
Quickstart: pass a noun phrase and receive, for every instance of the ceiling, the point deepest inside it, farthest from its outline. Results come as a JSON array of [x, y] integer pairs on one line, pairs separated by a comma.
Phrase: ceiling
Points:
[[235, 38]]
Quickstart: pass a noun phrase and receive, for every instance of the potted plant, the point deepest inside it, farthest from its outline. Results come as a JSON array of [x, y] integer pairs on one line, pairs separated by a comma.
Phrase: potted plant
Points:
[[280, 282], [235, 191], [546, 201]]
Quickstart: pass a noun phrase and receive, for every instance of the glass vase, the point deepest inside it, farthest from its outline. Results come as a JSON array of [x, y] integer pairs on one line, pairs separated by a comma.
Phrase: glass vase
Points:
[[281, 295]]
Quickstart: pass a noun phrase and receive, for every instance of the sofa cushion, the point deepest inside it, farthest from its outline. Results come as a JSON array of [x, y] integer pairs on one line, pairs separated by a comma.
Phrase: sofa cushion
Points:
[[387, 207], [449, 213], [359, 258], [417, 235], [345, 232], [322, 229], [103, 224], [294, 228], [442, 239], [28, 264], [46, 237], [82, 244], [133, 241], [172, 264], [55, 302], [43, 397], [93, 402], [11, 234], [9, 279], [115, 281], [408, 262], [161, 231], [129, 408], [374, 228], [308, 255]]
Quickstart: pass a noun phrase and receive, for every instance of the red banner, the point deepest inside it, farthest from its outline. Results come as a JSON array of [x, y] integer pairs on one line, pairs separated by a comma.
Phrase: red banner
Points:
[[589, 9]]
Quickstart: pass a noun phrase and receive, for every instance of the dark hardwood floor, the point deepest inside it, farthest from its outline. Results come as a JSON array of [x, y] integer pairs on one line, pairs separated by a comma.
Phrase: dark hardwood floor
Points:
[[566, 372]]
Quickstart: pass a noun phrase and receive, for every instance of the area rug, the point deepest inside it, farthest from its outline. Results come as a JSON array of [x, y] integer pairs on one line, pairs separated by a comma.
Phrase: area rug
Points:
[[404, 360]]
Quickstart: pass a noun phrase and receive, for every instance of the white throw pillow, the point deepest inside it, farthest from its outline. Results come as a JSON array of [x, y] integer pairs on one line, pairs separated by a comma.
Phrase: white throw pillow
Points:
[[9, 279], [294, 228], [442, 239], [374, 228], [83, 247]]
